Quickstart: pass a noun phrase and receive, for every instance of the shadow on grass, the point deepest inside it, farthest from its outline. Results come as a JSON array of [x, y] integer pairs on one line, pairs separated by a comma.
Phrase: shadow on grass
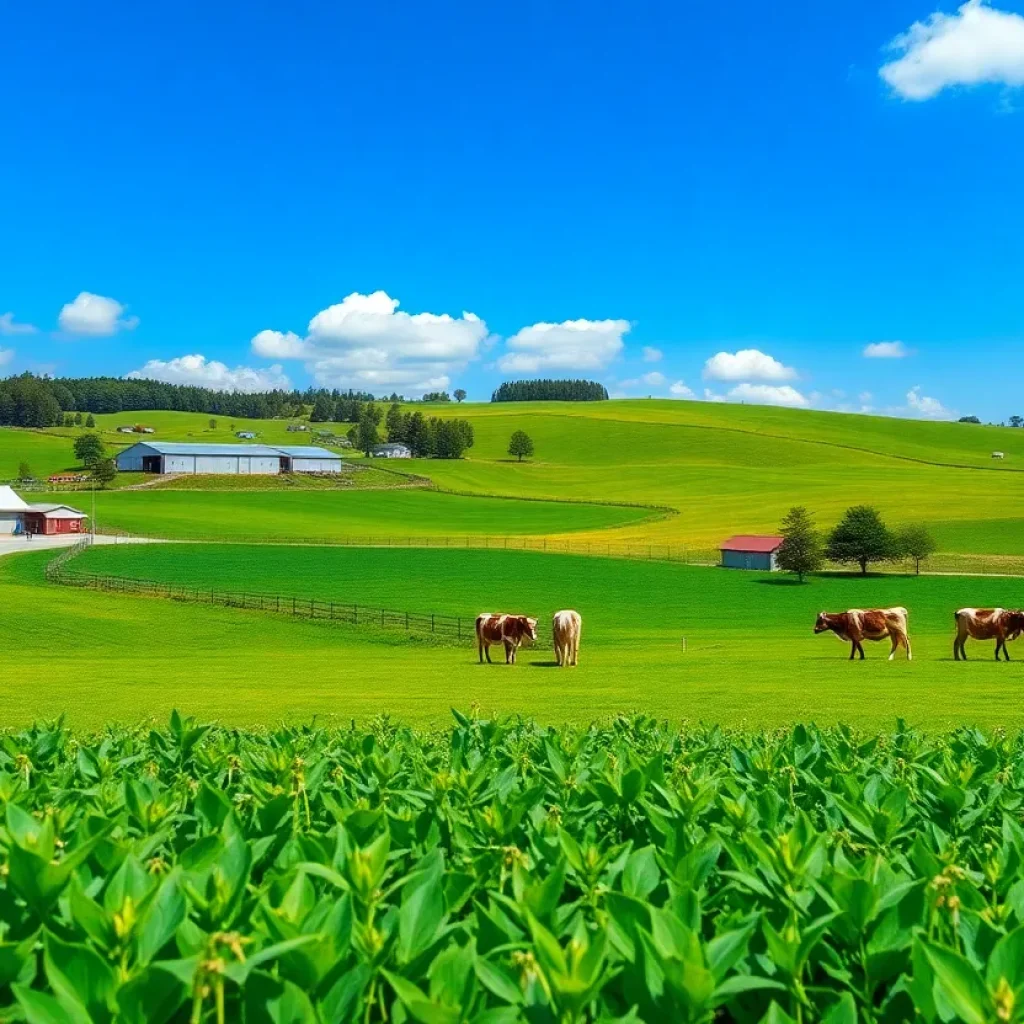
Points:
[[544, 664], [782, 581]]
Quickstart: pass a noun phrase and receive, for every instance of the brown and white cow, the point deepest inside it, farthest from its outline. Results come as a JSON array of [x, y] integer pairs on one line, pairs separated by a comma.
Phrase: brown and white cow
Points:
[[565, 630], [508, 630], [875, 624], [999, 624]]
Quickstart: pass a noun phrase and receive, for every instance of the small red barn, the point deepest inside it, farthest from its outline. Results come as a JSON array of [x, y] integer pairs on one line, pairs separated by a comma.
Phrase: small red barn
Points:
[[49, 520], [749, 551]]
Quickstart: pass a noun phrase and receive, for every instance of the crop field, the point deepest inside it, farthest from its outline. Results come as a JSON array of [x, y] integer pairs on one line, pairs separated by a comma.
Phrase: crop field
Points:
[[750, 656], [501, 872]]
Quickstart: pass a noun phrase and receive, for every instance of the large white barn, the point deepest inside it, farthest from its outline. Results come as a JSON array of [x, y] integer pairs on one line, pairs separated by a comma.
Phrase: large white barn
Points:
[[243, 459]]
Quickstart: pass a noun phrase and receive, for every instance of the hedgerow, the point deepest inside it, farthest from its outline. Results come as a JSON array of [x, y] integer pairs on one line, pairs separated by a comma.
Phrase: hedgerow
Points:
[[502, 871]]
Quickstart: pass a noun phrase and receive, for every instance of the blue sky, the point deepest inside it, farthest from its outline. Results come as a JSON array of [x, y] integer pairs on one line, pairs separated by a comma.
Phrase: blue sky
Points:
[[723, 200]]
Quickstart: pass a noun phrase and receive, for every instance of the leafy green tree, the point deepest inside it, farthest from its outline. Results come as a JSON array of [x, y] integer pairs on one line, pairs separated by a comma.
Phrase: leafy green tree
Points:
[[90, 421], [419, 437], [861, 537], [520, 445], [323, 409], [89, 449], [396, 423], [550, 391], [105, 472], [78, 419], [367, 435], [69, 420], [801, 550], [213, 424], [968, 419], [24, 471], [460, 395], [915, 541]]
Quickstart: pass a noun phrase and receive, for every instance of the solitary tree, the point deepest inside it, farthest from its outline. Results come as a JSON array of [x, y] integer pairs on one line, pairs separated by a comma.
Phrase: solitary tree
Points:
[[1016, 421], [915, 541], [24, 471], [105, 472], [89, 449], [213, 424], [520, 444], [861, 537], [90, 420], [460, 395], [801, 550], [968, 419], [367, 433]]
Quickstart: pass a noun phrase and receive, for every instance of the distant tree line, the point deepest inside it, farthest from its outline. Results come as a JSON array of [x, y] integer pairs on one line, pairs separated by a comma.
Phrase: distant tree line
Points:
[[30, 401], [550, 391]]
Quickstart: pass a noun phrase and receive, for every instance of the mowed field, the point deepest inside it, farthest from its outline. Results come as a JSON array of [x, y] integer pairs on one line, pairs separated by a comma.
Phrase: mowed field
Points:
[[750, 656], [724, 468]]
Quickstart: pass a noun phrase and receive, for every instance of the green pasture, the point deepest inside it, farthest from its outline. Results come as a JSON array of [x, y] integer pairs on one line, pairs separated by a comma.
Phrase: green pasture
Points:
[[750, 656], [319, 516], [44, 453]]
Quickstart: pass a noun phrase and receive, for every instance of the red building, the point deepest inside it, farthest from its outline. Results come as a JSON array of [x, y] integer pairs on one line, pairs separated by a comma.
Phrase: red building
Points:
[[49, 520]]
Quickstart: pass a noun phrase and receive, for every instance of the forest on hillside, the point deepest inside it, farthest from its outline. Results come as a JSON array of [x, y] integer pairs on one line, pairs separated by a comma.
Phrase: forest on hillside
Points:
[[550, 391]]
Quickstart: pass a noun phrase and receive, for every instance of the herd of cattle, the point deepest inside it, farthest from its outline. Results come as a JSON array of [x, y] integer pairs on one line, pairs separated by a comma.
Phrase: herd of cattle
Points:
[[854, 626]]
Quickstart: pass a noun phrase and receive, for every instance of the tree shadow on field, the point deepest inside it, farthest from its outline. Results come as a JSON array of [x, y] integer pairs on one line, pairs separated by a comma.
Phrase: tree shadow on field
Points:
[[782, 582], [544, 664]]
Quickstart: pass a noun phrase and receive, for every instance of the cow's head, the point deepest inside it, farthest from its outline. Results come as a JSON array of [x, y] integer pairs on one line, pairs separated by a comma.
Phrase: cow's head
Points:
[[529, 627], [1014, 624], [822, 624]]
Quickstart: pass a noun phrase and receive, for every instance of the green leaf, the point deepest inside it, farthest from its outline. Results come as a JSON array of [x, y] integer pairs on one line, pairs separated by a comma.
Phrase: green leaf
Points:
[[497, 980], [421, 913], [641, 875], [152, 997], [960, 983], [842, 1012], [41, 1008], [1007, 961], [164, 911], [542, 898], [740, 983], [78, 975], [269, 1000]]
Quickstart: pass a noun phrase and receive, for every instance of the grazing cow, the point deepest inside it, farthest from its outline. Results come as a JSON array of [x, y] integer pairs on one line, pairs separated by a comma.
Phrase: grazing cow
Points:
[[508, 630], [876, 624], [565, 629], [997, 624]]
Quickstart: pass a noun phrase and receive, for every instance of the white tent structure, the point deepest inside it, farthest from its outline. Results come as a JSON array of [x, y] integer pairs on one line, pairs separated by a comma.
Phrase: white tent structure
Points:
[[12, 509]]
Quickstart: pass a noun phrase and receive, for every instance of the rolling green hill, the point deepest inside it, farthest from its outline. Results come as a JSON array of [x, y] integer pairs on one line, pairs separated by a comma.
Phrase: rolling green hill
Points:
[[725, 468]]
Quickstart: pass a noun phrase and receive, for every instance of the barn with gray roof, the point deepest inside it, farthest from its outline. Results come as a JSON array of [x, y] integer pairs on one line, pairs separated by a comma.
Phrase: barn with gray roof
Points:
[[236, 459]]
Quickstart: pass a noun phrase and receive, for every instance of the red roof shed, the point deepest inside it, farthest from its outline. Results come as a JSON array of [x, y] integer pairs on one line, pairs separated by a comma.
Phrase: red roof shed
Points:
[[760, 543]]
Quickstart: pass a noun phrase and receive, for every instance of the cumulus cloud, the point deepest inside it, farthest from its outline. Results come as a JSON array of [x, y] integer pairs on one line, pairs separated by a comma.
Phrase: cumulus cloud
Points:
[[9, 327], [746, 364], [570, 345], [976, 44], [654, 379], [886, 350], [365, 341], [6, 355], [680, 390], [651, 355], [95, 315], [767, 394], [208, 373], [926, 407]]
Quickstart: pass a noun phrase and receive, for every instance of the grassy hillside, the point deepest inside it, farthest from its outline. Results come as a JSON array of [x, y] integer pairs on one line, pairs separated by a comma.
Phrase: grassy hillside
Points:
[[726, 468], [148, 655], [323, 515]]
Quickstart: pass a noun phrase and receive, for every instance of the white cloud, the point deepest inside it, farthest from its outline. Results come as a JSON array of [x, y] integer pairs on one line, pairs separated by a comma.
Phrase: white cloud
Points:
[[9, 327], [6, 355], [364, 341], [570, 345], [654, 379], [886, 350], [208, 373], [710, 396], [925, 407], [95, 315], [766, 394], [651, 355], [747, 364], [680, 390], [865, 398], [977, 44]]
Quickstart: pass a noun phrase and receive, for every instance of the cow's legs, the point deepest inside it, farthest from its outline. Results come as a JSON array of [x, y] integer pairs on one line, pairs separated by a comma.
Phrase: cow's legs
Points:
[[1001, 646], [487, 651], [895, 645], [860, 647], [906, 643]]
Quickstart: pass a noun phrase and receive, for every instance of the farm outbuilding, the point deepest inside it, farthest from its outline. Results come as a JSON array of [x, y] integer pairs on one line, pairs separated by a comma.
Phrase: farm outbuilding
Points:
[[232, 459], [50, 520], [12, 512], [391, 451], [751, 551]]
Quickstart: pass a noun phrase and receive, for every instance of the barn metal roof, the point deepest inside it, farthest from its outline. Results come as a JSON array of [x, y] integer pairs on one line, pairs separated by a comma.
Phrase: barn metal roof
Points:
[[758, 544], [49, 509], [10, 502], [308, 451], [190, 448]]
